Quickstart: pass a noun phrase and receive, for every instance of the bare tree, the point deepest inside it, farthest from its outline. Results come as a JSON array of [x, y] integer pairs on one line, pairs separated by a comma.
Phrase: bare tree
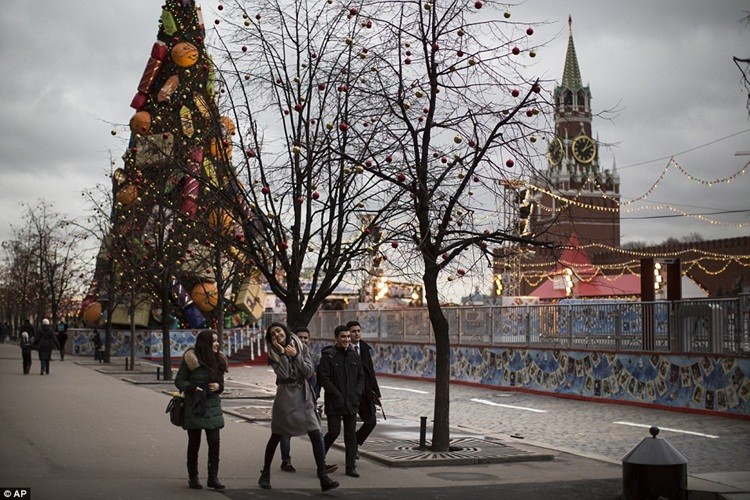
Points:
[[303, 185], [743, 64], [415, 112]]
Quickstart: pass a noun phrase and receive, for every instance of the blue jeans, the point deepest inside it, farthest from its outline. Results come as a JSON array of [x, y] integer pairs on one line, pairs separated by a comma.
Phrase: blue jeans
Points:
[[286, 448]]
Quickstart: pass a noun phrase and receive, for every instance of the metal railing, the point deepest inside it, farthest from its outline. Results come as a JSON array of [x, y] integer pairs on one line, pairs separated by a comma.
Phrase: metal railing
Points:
[[700, 326]]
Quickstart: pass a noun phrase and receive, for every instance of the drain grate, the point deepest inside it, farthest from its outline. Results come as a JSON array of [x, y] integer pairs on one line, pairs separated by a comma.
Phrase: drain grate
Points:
[[463, 451]]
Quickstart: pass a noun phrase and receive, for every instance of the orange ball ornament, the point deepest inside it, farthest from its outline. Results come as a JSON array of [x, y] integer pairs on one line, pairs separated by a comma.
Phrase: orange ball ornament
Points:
[[205, 296], [221, 221], [185, 54], [140, 123], [92, 314]]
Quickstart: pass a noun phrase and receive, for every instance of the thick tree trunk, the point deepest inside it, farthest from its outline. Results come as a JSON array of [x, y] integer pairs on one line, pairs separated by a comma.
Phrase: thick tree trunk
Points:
[[441, 423]]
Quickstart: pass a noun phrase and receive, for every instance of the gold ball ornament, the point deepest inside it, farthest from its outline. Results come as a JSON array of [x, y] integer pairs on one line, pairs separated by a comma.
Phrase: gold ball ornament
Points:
[[127, 195], [184, 54]]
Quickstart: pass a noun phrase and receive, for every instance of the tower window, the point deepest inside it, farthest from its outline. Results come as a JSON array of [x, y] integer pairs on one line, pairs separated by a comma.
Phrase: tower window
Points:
[[568, 98]]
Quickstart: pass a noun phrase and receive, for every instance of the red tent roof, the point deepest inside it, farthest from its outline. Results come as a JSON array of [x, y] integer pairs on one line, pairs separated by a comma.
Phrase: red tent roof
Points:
[[590, 282]]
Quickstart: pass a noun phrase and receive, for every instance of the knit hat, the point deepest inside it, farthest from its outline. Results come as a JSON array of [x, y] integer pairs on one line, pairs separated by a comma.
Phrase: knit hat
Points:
[[45, 321]]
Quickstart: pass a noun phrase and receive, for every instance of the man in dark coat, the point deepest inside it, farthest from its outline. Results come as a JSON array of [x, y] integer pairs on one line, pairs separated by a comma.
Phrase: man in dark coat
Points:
[[340, 375], [28, 328], [371, 392], [45, 342]]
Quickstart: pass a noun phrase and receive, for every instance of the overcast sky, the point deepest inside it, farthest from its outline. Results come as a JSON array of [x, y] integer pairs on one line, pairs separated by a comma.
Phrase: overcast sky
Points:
[[70, 70]]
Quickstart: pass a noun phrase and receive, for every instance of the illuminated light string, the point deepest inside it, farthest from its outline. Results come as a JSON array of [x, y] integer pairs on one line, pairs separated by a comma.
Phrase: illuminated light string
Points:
[[617, 209], [536, 277]]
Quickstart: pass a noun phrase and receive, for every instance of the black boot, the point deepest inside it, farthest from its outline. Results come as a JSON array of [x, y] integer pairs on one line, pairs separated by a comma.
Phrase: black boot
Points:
[[326, 483], [193, 480], [213, 476], [265, 479]]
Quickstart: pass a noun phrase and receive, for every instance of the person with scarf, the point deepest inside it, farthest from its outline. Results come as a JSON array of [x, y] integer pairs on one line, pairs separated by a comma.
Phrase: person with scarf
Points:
[[293, 412], [26, 347], [201, 379]]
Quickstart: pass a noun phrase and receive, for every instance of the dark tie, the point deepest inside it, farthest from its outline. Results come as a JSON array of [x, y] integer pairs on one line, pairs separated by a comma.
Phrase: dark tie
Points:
[[356, 348]]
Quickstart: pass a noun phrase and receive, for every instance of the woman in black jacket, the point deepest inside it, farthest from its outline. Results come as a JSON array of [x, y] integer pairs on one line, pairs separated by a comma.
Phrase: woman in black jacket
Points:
[[44, 344], [201, 378]]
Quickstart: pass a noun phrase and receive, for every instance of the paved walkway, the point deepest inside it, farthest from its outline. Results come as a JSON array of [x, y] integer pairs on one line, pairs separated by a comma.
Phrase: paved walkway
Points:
[[81, 433]]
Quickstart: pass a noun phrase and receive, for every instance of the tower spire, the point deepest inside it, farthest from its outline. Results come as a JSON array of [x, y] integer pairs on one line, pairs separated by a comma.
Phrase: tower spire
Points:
[[571, 74]]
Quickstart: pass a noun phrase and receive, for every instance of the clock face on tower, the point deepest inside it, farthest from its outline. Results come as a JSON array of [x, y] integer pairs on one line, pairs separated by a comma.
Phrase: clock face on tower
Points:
[[583, 148], [555, 151]]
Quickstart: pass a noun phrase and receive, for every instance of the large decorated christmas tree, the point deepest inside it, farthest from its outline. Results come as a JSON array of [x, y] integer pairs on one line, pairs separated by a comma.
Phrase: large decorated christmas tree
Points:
[[174, 208]]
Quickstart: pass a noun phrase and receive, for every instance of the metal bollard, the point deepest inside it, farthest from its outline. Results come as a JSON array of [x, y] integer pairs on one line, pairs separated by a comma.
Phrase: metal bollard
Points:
[[158, 373], [654, 469], [127, 364], [423, 433]]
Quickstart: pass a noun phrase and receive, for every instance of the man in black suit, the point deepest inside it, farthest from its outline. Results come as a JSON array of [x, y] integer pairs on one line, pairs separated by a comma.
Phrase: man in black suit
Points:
[[371, 391]]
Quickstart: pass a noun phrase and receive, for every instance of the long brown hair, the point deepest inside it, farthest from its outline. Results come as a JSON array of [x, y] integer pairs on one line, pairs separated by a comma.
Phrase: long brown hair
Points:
[[213, 361]]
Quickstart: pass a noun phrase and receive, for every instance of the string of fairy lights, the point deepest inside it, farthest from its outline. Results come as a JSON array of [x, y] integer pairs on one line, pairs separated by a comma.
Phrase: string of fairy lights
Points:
[[625, 207], [708, 262]]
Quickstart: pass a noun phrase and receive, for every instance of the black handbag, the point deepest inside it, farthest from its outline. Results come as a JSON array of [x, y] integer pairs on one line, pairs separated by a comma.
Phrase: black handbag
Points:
[[176, 409]]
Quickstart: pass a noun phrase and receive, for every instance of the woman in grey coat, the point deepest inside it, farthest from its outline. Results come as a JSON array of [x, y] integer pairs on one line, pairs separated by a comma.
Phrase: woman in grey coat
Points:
[[293, 412]]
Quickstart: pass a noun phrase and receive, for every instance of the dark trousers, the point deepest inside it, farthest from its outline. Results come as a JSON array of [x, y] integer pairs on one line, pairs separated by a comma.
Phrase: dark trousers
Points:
[[26, 355], [350, 436], [369, 420], [213, 438], [319, 451], [45, 365]]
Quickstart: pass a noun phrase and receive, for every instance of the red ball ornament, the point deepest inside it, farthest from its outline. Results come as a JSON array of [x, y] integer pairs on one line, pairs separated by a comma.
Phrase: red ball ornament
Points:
[[529, 112], [477, 4], [472, 143], [461, 272], [460, 53], [536, 88], [283, 245], [250, 153], [343, 127], [367, 231], [220, 7], [407, 61], [515, 92], [257, 16], [400, 177], [388, 159], [529, 31], [299, 200], [266, 190], [394, 244], [509, 163], [315, 195], [321, 86], [445, 256], [516, 51], [244, 48], [353, 11]]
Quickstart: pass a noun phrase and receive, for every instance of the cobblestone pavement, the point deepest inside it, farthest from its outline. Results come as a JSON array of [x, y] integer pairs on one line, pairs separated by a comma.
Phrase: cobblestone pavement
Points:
[[579, 427]]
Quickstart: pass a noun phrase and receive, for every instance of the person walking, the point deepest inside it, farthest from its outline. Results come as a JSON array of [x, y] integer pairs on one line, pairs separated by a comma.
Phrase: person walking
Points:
[[45, 342], [201, 379], [340, 374], [286, 448], [371, 392], [28, 328], [26, 347], [293, 412], [62, 337]]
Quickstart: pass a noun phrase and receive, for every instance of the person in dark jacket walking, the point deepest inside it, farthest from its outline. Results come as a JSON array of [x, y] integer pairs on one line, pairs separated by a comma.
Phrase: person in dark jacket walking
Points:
[[45, 343], [293, 412], [201, 379], [371, 392], [340, 374], [26, 347], [62, 337]]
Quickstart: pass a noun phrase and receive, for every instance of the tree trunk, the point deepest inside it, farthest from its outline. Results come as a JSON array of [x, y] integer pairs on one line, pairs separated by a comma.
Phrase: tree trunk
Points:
[[165, 324], [132, 331], [441, 422]]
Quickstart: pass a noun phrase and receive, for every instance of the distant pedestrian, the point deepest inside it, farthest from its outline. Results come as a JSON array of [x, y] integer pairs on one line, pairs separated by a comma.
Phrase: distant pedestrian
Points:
[[293, 412], [26, 347], [366, 410], [340, 374], [4, 332], [45, 343], [62, 337], [28, 328], [98, 354], [201, 378]]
